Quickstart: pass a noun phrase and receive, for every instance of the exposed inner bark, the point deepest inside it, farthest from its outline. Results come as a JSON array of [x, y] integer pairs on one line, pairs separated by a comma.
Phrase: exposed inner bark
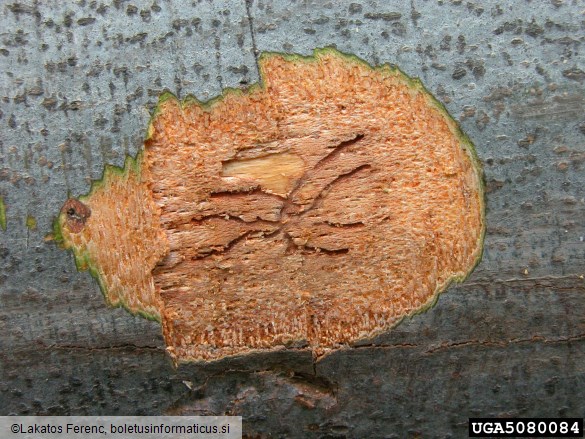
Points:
[[115, 232], [322, 208], [318, 209]]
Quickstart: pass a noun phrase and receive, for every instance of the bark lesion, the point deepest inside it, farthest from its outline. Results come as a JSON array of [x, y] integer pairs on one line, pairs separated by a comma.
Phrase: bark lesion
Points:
[[322, 207], [350, 252]]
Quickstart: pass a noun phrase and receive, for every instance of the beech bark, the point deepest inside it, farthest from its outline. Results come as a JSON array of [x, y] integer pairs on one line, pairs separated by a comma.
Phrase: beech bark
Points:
[[78, 83]]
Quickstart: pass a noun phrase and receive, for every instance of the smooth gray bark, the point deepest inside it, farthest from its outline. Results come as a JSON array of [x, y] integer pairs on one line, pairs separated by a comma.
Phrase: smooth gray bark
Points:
[[78, 80]]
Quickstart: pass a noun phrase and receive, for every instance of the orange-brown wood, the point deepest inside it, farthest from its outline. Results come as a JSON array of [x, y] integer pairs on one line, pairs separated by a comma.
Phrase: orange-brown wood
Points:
[[315, 210], [322, 208]]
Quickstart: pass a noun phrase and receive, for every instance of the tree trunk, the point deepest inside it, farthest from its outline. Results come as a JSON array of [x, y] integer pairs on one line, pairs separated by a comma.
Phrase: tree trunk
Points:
[[78, 84]]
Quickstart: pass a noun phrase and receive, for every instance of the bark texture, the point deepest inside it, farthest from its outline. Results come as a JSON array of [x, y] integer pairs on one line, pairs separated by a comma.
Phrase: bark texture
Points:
[[78, 83]]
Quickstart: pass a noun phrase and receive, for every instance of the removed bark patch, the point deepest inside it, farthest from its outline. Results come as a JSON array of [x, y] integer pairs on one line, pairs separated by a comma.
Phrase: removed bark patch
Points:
[[318, 208]]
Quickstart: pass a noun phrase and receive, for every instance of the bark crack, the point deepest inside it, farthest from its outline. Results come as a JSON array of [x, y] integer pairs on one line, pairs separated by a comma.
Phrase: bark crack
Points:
[[475, 342], [559, 283], [253, 35], [121, 347], [533, 339]]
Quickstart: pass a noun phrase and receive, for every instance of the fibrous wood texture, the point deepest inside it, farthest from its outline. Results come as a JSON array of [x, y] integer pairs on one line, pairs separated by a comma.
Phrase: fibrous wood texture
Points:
[[115, 233], [79, 82], [319, 208]]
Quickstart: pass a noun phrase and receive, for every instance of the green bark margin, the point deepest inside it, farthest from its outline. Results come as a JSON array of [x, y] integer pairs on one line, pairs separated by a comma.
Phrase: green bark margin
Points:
[[83, 260]]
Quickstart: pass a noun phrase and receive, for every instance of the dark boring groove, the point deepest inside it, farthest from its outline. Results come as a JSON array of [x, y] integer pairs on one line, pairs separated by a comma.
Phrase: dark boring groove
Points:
[[310, 249], [318, 201], [256, 190], [347, 175], [344, 225], [228, 217], [338, 150], [329, 157], [289, 208], [225, 248]]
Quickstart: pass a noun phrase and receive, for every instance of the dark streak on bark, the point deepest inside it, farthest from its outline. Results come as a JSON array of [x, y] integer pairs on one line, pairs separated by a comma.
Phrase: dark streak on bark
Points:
[[252, 34]]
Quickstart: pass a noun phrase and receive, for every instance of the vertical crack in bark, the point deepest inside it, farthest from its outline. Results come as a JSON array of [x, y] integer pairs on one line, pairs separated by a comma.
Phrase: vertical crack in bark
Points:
[[252, 34]]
